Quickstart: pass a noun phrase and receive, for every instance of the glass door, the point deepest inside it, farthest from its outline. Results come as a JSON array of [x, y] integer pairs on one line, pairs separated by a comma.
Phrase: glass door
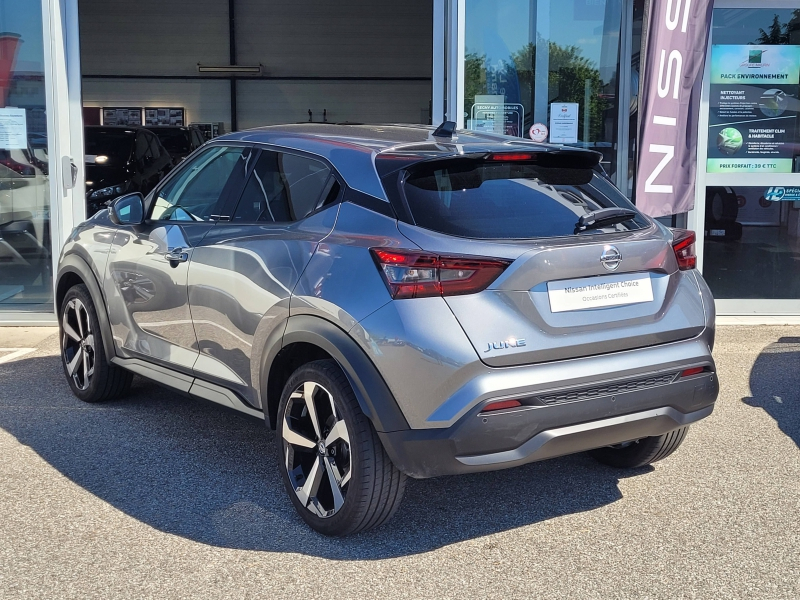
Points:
[[747, 213], [26, 265]]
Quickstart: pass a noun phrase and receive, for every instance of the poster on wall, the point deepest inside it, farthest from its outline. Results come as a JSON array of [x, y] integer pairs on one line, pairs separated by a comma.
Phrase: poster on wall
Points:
[[564, 122], [492, 114], [122, 116], [753, 109], [154, 117]]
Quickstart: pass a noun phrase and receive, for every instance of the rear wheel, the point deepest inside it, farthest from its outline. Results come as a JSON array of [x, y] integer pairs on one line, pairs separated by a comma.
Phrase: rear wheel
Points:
[[91, 377], [641, 452], [336, 472]]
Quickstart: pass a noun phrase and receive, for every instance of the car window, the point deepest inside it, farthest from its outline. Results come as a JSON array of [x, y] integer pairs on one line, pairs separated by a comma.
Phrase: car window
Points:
[[193, 193], [283, 188], [155, 148], [496, 199], [142, 147]]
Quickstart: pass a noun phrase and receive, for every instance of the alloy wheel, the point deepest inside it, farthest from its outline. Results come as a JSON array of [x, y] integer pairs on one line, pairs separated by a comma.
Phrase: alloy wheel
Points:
[[77, 343], [316, 447]]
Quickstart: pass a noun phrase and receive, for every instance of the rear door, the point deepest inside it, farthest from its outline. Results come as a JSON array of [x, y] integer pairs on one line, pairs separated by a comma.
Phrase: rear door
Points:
[[146, 281], [565, 294]]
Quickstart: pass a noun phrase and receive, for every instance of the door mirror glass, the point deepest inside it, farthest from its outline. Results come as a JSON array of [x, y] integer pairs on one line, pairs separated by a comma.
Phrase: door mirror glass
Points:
[[128, 209]]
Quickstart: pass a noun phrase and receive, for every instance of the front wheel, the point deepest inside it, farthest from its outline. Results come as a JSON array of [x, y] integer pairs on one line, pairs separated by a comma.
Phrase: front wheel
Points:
[[641, 452], [91, 377], [336, 472]]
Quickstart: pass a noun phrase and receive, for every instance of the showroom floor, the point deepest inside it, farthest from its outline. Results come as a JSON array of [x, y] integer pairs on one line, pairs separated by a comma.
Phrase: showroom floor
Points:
[[157, 495]]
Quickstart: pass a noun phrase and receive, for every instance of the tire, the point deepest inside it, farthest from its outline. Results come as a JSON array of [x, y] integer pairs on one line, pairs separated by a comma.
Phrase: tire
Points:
[[641, 452], [91, 377], [347, 484]]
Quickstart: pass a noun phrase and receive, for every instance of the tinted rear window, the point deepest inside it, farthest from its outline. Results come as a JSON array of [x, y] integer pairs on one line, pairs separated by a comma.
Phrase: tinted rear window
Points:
[[495, 200]]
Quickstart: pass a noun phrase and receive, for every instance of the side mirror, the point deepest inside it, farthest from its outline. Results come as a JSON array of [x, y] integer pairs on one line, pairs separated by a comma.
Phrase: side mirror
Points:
[[127, 209]]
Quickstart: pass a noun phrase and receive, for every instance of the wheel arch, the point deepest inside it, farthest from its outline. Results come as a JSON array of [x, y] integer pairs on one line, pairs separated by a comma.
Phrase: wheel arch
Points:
[[308, 338], [72, 271]]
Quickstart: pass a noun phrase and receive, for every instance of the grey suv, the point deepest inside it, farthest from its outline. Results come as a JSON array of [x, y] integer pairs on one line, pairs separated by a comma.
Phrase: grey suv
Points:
[[396, 301]]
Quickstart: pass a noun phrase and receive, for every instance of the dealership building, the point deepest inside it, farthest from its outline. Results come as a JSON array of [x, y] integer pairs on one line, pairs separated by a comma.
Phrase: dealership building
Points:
[[565, 71]]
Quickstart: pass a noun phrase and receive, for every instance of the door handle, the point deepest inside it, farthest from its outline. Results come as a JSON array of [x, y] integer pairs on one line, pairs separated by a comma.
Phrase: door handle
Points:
[[176, 256]]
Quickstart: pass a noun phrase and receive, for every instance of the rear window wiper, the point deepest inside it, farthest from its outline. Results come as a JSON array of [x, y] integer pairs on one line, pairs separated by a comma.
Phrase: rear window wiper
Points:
[[603, 217]]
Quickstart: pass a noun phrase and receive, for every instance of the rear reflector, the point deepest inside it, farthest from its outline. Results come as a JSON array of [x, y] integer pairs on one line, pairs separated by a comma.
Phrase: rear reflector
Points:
[[693, 371], [501, 405], [683, 246], [411, 274]]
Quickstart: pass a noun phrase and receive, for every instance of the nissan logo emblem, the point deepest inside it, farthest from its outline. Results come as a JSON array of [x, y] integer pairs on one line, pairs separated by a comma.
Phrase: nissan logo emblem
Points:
[[611, 258]]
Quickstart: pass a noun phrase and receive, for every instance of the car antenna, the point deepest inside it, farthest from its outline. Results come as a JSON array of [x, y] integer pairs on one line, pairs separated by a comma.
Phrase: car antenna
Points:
[[445, 130]]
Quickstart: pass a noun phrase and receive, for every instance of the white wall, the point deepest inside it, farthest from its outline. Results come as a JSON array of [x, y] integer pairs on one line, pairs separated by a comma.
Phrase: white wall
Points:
[[270, 102], [321, 39], [204, 101]]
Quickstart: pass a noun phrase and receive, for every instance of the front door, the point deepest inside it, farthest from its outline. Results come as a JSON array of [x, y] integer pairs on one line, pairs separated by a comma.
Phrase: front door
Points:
[[242, 278], [747, 213], [146, 282]]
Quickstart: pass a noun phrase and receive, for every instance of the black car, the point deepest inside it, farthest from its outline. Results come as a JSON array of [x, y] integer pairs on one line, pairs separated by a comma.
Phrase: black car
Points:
[[120, 160], [180, 142]]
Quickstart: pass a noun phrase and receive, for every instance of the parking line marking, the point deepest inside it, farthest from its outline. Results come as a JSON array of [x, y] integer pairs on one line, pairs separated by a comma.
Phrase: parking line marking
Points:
[[15, 354]]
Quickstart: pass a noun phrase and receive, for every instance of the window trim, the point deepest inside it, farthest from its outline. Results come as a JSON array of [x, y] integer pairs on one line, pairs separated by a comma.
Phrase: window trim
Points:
[[230, 210]]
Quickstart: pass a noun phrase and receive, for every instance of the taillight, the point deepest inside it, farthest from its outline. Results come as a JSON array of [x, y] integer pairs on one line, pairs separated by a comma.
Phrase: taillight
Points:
[[410, 274], [683, 245]]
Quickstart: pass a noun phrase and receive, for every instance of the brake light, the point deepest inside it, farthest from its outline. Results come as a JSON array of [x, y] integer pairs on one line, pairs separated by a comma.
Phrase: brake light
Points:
[[683, 246], [511, 156], [410, 274]]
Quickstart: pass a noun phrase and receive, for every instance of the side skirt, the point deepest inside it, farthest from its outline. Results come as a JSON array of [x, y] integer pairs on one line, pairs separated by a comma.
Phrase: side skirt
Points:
[[187, 384]]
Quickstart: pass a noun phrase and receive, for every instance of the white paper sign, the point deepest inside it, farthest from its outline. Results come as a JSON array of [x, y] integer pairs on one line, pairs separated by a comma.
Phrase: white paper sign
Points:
[[13, 129], [564, 122], [599, 292]]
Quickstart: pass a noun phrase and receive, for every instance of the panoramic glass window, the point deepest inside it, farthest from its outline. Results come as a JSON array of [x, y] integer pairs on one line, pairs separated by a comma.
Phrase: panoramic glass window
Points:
[[544, 62], [752, 226], [25, 249]]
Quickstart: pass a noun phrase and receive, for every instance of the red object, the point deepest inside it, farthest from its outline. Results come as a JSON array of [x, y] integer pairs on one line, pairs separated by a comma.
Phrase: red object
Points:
[[683, 245], [9, 44], [692, 371], [512, 156], [411, 274], [501, 405]]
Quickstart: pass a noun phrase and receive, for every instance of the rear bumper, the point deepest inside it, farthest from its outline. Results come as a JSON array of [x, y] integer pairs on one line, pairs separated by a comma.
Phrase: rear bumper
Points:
[[503, 439]]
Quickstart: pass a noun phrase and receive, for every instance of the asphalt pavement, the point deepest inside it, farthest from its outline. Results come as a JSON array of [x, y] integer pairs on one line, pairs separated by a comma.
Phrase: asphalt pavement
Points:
[[161, 496]]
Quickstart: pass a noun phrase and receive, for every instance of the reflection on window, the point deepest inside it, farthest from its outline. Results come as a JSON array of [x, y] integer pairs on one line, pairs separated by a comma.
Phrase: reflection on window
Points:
[[523, 56], [193, 194]]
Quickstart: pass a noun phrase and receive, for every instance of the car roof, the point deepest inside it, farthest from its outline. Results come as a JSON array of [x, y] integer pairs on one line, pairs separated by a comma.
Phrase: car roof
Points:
[[415, 139], [115, 128]]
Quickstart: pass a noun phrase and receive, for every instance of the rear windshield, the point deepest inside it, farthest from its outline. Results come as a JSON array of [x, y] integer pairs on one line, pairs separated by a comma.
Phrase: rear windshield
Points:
[[176, 141], [496, 200], [115, 144]]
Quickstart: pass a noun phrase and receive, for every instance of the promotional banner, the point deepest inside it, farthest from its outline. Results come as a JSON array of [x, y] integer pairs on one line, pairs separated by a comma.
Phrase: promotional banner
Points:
[[753, 109], [677, 41]]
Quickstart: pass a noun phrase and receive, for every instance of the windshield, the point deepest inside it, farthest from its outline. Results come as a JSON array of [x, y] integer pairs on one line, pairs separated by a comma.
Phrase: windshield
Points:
[[509, 200], [176, 141], [116, 145]]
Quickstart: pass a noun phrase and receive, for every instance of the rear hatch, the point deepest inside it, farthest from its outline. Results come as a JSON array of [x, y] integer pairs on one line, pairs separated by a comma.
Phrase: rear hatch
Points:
[[566, 293]]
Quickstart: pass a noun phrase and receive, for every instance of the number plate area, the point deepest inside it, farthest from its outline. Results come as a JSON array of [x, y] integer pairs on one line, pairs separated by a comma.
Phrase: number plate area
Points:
[[599, 292]]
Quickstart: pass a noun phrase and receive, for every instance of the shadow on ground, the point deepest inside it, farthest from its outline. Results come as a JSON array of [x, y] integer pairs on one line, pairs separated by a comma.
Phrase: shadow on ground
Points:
[[209, 474], [774, 385]]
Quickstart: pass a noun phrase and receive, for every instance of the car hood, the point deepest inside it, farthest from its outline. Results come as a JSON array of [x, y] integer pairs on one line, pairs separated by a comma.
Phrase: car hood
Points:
[[101, 177]]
